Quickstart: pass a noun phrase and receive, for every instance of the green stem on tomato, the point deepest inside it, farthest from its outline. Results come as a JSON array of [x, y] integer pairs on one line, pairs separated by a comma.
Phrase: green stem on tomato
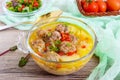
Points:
[[89, 1]]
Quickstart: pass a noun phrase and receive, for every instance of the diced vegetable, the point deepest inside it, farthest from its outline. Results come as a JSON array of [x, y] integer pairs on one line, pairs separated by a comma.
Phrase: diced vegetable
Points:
[[71, 53], [65, 37], [49, 34], [83, 46], [61, 53], [58, 66], [68, 44]]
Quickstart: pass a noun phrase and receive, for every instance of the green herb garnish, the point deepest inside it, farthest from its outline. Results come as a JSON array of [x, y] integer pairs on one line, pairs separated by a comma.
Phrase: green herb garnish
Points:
[[23, 61], [57, 42], [68, 44], [49, 34], [52, 48]]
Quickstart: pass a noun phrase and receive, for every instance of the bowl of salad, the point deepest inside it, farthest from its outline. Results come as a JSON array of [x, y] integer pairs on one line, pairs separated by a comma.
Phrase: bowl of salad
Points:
[[61, 45], [22, 7]]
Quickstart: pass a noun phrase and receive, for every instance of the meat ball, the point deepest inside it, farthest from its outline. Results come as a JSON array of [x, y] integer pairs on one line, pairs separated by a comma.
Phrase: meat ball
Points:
[[67, 47], [41, 33], [62, 28], [53, 56], [56, 35], [39, 44], [44, 35]]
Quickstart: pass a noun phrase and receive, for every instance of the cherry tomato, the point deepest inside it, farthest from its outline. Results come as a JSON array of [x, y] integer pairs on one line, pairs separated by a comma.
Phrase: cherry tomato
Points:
[[90, 6], [23, 6], [113, 5], [35, 4], [83, 2], [102, 7], [86, 7]]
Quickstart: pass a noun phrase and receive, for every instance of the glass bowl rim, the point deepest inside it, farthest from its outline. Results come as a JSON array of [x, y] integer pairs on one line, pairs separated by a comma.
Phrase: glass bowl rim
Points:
[[86, 56]]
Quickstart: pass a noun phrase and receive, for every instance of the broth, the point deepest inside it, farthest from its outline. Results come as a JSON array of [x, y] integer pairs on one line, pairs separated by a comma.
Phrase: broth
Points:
[[83, 45]]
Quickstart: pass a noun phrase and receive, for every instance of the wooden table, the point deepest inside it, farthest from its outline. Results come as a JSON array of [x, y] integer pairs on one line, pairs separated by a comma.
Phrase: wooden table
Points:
[[9, 69]]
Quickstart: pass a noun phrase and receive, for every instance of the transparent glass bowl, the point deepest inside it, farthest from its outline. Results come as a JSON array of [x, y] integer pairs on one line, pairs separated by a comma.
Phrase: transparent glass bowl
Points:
[[11, 13], [66, 67]]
